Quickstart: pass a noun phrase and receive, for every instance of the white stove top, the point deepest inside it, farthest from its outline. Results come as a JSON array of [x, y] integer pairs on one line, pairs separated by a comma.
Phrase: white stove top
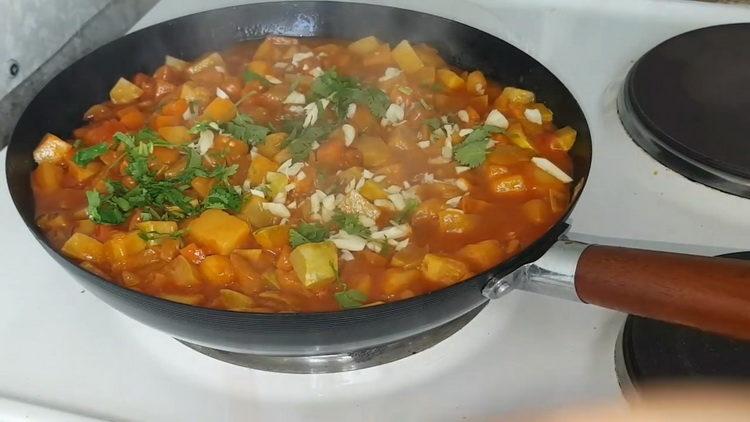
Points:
[[64, 355]]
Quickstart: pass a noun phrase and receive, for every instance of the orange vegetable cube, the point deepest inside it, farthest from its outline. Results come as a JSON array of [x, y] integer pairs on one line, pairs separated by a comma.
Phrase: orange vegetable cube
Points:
[[81, 174], [409, 257], [192, 92], [235, 301], [217, 269], [517, 135], [258, 169], [380, 57], [161, 121], [124, 92], [48, 176], [163, 227], [272, 144], [247, 276], [396, 280], [133, 120], [406, 57], [52, 150], [193, 253], [536, 211], [122, 246], [86, 227], [207, 61], [261, 67], [476, 84], [260, 259], [220, 110], [564, 138], [203, 186], [375, 152], [182, 273], [178, 135], [273, 237], [175, 108], [372, 191], [443, 270], [480, 104], [559, 200], [364, 45], [482, 255], [507, 185], [424, 76], [455, 221], [450, 79], [504, 155], [85, 248], [517, 95], [474, 206], [218, 232]]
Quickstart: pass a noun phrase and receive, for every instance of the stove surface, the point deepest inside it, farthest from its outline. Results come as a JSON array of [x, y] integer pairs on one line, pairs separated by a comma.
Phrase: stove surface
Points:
[[67, 356]]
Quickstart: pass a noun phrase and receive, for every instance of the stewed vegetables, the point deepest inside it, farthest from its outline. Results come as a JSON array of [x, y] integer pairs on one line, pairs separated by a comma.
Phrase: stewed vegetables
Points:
[[295, 175]]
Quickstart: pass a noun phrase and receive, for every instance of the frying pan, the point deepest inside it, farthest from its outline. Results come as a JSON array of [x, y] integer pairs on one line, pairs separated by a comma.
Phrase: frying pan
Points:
[[707, 293]]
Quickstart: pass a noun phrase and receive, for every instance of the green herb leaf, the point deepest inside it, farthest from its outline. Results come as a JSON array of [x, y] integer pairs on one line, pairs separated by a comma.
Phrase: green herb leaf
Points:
[[405, 214], [350, 299], [350, 223], [223, 197], [203, 126], [343, 91], [151, 235], [300, 143], [250, 76], [307, 233], [473, 150], [242, 127], [84, 156], [433, 123]]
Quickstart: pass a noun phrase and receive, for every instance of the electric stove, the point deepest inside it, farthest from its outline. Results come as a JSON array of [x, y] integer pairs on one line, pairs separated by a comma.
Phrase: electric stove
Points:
[[65, 355]]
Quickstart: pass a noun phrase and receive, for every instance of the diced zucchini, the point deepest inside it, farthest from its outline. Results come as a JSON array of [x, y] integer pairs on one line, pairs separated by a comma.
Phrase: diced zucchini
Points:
[[315, 263]]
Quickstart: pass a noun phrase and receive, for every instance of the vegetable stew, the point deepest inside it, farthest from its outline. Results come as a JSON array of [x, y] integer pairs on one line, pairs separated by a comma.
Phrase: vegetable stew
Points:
[[303, 175]]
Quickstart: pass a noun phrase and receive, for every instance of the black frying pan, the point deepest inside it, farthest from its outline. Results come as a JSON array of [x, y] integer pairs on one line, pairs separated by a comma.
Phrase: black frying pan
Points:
[[59, 106]]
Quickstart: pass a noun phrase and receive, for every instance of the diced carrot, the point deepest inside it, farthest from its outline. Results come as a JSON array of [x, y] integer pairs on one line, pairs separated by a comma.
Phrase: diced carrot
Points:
[[220, 110], [476, 84], [161, 121], [261, 67], [218, 232], [330, 154], [133, 120], [175, 108], [258, 169], [102, 131], [217, 269], [193, 253], [450, 79], [247, 276], [165, 155], [481, 103], [203, 186], [474, 206], [178, 135], [482, 255], [48, 177]]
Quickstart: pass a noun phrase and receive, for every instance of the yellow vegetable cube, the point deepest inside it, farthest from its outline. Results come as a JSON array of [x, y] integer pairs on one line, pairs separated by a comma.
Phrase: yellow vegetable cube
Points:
[[315, 263], [518, 95], [455, 221], [406, 58], [396, 279], [424, 76], [258, 169], [177, 135], [373, 191], [364, 45], [81, 174], [218, 232], [273, 237], [235, 301], [476, 83], [85, 248], [536, 211], [220, 110], [121, 246], [48, 176], [482, 255], [175, 63], [217, 270], [158, 226], [507, 185], [208, 61], [181, 272], [375, 152], [51, 150], [564, 138], [276, 182], [253, 212], [443, 270], [450, 79], [409, 257], [518, 136], [272, 144], [194, 93], [124, 92]]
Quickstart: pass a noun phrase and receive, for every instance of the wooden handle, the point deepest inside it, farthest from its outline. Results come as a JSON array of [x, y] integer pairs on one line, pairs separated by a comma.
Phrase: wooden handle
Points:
[[710, 294]]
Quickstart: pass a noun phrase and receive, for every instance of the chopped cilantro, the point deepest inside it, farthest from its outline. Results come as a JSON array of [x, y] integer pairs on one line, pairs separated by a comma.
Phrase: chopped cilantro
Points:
[[405, 214], [307, 233], [433, 123], [151, 235], [86, 155], [350, 223], [250, 76], [343, 91], [473, 150], [242, 127], [300, 142], [223, 197], [350, 299]]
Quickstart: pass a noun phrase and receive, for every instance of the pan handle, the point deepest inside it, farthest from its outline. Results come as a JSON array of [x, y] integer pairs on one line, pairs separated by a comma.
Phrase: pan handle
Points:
[[707, 293]]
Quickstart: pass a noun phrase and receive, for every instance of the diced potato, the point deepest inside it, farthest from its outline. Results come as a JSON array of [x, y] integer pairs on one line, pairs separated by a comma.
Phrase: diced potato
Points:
[[273, 237], [518, 136], [164, 227], [175, 63], [86, 227], [258, 169], [208, 61], [276, 182], [476, 84], [272, 144], [182, 273], [81, 174], [217, 270], [51, 150], [355, 203], [124, 92], [443, 270], [315, 263], [191, 92], [187, 299], [261, 67], [406, 57], [545, 180], [429, 55], [177, 135], [424, 76], [454, 221], [427, 211], [375, 152], [409, 257], [372, 191], [518, 95], [396, 280], [380, 57], [450, 79], [536, 211], [260, 259], [220, 110], [546, 113], [559, 200], [85, 248], [564, 138], [482, 255], [235, 301], [203, 186], [248, 277], [504, 155], [364, 45], [253, 212], [507, 185], [48, 177], [218, 232], [122, 246]]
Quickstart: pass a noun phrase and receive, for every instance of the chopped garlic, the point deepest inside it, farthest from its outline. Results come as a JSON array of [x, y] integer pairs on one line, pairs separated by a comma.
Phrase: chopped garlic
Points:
[[461, 169], [349, 134], [280, 65], [463, 116], [290, 187], [464, 132], [398, 201], [496, 118], [301, 175], [390, 73], [346, 255], [205, 141], [273, 80], [462, 184], [552, 169], [317, 72], [293, 169], [280, 198], [279, 210], [351, 110], [297, 109], [315, 145], [384, 203], [423, 144], [453, 202], [379, 178], [349, 242], [428, 178], [258, 193], [220, 69], [394, 113], [221, 94], [315, 202], [295, 97], [350, 186], [284, 166], [292, 205], [393, 189], [367, 221], [438, 160], [402, 244], [479, 88], [533, 115], [374, 246], [188, 114], [360, 183], [367, 174], [406, 184], [393, 232], [298, 57]]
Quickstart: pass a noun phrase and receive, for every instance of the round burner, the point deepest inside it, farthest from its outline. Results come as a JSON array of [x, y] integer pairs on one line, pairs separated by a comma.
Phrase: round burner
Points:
[[649, 350], [686, 103], [341, 362]]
